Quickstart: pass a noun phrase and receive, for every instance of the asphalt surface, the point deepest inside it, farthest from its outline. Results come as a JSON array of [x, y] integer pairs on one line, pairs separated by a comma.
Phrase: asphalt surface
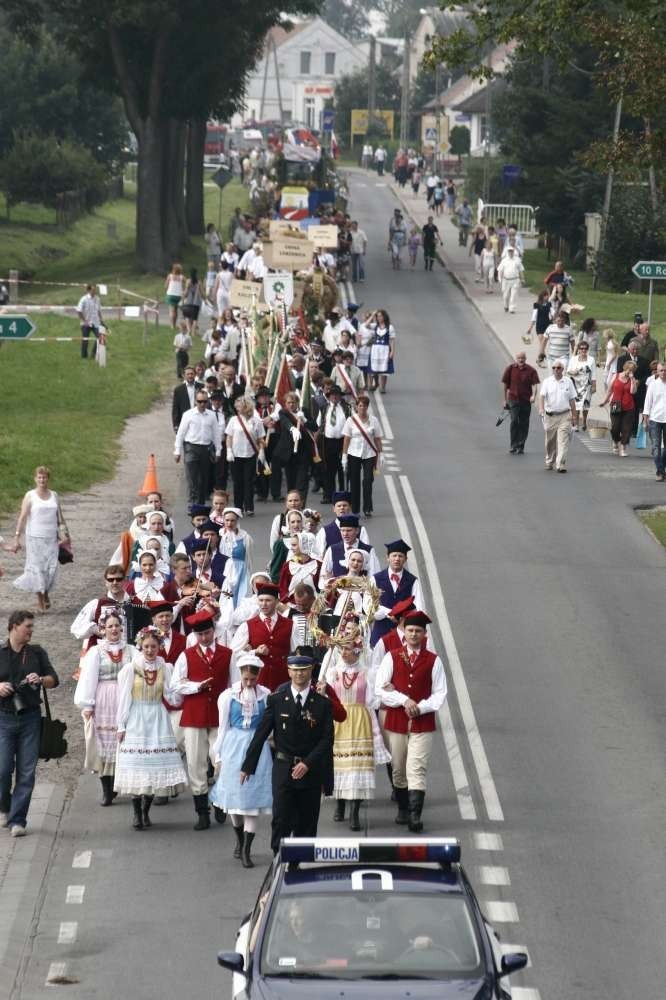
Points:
[[553, 594]]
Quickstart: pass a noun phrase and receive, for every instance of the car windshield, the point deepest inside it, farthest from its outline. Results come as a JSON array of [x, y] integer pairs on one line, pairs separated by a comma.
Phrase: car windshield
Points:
[[380, 934]]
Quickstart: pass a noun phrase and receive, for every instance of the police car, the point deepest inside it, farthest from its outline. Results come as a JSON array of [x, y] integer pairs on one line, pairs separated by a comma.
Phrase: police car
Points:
[[364, 918]]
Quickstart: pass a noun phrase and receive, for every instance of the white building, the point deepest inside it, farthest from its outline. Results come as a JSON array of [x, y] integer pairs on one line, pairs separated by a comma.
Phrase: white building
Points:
[[310, 58]]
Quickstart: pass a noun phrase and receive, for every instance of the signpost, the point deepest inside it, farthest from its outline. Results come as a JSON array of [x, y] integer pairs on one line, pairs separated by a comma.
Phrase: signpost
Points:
[[221, 177], [13, 327], [650, 270], [327, 119]]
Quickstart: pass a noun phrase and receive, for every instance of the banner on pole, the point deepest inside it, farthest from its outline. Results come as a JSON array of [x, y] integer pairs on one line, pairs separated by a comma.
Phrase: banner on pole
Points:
[[323, 236], [279, 288], [241, 294], [295, 254]]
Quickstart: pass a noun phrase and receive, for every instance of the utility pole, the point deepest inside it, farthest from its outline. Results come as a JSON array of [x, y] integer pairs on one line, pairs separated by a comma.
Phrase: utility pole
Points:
[[277, 79], [486, 144], [404, 102], [605, 212], [438, 111], [372, 80]]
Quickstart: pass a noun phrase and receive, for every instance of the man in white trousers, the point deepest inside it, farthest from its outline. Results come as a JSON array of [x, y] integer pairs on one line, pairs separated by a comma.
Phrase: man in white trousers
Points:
[[510, 274]]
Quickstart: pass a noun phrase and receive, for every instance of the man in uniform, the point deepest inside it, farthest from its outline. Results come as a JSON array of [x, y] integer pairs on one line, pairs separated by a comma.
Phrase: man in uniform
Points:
[[301, 721], [412, 684], [269, 635], [201, 674]]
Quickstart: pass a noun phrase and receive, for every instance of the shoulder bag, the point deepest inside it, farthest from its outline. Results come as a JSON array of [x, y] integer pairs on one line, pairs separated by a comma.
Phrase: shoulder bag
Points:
[[52, 743]]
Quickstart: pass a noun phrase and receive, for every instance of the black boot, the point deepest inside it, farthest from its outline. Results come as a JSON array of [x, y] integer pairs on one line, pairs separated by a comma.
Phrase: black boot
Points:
[[416, 800], [389, 771], [354, 821], [107, 790], [146, 803], [238, 830], [339, 814], [137, 822], [402, 819], [161, 800], [220, 815], [201, 807], [246, 860]]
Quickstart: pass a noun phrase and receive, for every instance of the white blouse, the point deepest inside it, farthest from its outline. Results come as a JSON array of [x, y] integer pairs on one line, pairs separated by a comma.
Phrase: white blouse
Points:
[[240, 445], [358, 446]]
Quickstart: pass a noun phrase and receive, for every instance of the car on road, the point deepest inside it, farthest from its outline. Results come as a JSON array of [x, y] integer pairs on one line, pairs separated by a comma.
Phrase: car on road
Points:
[[365, 918]]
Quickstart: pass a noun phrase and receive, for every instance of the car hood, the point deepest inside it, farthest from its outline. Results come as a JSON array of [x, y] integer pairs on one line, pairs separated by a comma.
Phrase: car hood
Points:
[[388, 989]]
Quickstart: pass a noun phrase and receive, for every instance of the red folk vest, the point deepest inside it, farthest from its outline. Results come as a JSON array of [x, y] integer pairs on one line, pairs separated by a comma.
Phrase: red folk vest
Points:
[[274, 671], [175, 649], [416, 682], [200, 710]]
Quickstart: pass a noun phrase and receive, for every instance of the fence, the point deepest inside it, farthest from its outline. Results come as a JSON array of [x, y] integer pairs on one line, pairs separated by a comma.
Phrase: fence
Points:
[[522, 216], [71, 205]]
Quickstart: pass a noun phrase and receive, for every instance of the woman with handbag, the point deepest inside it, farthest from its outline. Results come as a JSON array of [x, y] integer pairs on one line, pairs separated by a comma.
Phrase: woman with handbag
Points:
[[42, 519], [192, 300], [361, 453], [173, 286], [621, 394], [97, 696]]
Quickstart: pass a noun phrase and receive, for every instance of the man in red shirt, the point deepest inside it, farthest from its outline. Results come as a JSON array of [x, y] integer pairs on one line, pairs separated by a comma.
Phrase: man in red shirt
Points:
[[520, 381]]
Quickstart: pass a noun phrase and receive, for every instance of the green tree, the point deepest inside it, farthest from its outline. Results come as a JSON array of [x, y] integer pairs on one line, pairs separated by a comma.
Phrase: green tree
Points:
[[39, 168], [349, 17], [460, 141]]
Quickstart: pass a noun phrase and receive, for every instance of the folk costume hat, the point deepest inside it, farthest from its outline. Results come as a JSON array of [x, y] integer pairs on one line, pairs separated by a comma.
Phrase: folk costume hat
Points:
[[201, 621], [251, 661], [157, 607], [398, 546], [199, 510], [348, 521], [342, 495], [200, 545], [209, 526], [402, 608], [419, 618], [268, 590]]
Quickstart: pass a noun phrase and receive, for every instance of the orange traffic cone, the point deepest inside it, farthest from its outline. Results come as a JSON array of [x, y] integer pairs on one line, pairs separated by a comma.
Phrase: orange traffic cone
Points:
[[150, 479]]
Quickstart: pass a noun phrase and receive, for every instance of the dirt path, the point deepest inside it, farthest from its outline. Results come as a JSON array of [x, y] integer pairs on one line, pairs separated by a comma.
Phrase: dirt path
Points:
[[95, 519]]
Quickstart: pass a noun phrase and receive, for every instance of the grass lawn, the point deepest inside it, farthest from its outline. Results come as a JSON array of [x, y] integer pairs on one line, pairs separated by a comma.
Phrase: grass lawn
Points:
[[615, 307], [656, 522], [86, 251], [67, 413]]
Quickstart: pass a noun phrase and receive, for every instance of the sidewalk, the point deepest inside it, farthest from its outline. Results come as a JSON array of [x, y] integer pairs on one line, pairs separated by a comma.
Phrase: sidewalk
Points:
[[507, 329]]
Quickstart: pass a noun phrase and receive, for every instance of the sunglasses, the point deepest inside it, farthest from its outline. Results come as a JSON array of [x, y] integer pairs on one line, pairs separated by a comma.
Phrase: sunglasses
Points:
[[115, 579]]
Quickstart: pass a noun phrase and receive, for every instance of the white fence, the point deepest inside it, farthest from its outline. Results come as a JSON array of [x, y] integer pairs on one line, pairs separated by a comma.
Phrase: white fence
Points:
[[522, 216]]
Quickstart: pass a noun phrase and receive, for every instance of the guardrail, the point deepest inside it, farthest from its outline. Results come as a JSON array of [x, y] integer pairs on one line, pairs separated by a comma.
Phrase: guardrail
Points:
[[522, 216]]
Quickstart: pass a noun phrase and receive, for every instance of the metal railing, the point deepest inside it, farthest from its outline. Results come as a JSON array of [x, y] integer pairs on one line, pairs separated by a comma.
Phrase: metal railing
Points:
[[522, 216]]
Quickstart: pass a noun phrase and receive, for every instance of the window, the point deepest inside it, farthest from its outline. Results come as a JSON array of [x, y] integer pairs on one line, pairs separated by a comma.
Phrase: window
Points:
[[309, 111], [305, 63], [329, 63]]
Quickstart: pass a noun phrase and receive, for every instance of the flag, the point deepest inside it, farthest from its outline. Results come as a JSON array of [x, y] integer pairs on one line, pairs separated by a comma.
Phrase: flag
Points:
[[306, 391], [273, 367], [283, 382], [334, 146]]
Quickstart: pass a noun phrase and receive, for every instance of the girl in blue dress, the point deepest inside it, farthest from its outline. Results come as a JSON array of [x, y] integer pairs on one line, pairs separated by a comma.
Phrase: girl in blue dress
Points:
[[240, 708]]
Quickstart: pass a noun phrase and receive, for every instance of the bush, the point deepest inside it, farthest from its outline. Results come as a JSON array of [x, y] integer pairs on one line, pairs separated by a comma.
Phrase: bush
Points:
[[39, 168], [634, 232]]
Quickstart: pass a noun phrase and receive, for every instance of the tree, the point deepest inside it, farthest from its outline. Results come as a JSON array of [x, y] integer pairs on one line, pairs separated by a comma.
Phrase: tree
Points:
[[349, 17], [351, 91], [39, 168], [460, 141], [400, 15]]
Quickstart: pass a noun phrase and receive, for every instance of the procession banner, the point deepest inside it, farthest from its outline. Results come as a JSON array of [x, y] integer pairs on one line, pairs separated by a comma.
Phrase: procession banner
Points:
[[279, 288], [293, 254], [241, 294], [279, 227], [323, 236]]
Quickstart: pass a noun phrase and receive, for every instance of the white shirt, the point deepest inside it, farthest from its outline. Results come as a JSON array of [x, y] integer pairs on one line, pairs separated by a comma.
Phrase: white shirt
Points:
[[358, 241], [396, 699], [334, 421], [240, 445], [654, 406], [295, 693], [182, 341], [179, 679], [326, 571], [90, 308], [199, 428], [558, 341], [242, 637], [557, 394], [358, 446], [510, 268]]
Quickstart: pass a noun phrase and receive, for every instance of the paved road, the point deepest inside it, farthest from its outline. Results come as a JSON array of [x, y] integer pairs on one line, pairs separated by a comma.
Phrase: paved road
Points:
[[548, 598]]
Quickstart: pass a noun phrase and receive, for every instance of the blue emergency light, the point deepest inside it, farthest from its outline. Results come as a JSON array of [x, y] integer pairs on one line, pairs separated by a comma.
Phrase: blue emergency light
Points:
[[370, 850]]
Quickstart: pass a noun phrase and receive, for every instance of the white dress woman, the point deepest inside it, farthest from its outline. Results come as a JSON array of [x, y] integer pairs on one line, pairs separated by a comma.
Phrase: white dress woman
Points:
[[96, 695], [40, 516]]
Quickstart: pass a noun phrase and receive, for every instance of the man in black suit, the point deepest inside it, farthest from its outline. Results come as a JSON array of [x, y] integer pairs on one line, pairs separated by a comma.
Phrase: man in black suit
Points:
[[183, 397], [301, 721]]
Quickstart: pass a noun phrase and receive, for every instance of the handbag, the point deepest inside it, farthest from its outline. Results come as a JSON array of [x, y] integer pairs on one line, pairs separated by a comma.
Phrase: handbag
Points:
[[616, 406], [52, 743], [641, 436], [65, 552]]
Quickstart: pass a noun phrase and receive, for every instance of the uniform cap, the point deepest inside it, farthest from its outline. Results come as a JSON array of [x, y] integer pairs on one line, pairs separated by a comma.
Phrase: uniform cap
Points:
[[299, 660]]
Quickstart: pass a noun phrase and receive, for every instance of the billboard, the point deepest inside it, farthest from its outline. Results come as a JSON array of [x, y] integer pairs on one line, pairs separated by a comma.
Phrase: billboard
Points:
[[359, 121]]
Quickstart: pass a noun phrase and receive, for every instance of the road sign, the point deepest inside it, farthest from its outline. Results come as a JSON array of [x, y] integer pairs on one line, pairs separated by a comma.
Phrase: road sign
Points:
[[327, 119], [222, 176], [14, 327], [650, 270], [510, 174]]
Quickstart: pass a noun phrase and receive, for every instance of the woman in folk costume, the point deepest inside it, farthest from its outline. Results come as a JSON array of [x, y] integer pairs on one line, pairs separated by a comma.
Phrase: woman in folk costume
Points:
[[382, 350], [241, 708], [358, 747], [96, 695], [163, 566], [293, 525], [236, 544], [137, 531], [147, 758], [352, 603], [300, 567], [148, 586]]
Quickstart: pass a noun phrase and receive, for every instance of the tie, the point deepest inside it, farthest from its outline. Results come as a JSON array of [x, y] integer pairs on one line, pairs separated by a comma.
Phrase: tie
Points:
[[209, 654], [269, 624], [333, 415], [395, 578], [299, 704], [412, 658]]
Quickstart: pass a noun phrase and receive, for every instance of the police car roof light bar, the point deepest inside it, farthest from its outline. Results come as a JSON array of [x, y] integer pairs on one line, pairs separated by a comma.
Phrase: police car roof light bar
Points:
[[370, 850]]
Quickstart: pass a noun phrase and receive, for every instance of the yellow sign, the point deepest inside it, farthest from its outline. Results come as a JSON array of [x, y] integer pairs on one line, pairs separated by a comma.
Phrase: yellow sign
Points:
[[241, 294], [291, 254], [359, 121], [299, 286], [276, 227], [323, 236]]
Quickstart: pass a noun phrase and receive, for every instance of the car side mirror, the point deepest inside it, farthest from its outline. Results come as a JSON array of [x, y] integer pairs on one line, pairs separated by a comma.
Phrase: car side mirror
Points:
[[513, 962], [234, 961]]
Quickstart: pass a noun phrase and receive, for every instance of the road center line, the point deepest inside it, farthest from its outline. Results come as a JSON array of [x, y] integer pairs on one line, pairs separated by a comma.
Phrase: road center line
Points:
[[68, 931], [82, 859], [75, 894], [486, 781], [381, 409]]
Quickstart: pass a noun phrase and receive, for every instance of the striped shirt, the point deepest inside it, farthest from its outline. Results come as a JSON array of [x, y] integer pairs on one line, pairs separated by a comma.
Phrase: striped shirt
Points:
[[559, 341]]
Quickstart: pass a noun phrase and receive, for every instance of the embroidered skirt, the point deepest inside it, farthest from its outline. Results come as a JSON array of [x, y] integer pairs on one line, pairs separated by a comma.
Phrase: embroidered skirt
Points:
[[148, 760]]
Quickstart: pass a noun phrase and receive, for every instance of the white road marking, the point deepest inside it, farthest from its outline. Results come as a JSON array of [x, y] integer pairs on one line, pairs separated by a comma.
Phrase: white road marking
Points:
[[524, 993], [458, 773], [387, 432], [57, 970], [494, 875], [486, 781], [499, 912], [510, 949], [392, 467], [75, 894], [380, 184], [68, 931], [488, 841], [82, 859]]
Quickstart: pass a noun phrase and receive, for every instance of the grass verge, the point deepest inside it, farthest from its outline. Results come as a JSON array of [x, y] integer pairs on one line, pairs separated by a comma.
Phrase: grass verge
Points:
[[615, 307], [99, 247], [655, 520], [61, 411]]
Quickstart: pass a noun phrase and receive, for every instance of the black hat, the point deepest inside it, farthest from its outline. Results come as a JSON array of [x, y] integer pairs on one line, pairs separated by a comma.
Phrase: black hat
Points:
[[199, 510], [200, 545], [352, 307], [268, 590], [217, 394], [398, 546], [299, 660], [209, 526], [342, 495], [335, 388], [263, 390], [348, 521]]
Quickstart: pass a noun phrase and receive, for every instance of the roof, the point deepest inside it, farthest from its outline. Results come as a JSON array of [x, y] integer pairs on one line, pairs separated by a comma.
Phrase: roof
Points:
[[475, 104], [281, 34], [448, 21]]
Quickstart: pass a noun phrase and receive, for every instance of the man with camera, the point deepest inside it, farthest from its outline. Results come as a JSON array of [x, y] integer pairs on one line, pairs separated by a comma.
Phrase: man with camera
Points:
[[24, 669]]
